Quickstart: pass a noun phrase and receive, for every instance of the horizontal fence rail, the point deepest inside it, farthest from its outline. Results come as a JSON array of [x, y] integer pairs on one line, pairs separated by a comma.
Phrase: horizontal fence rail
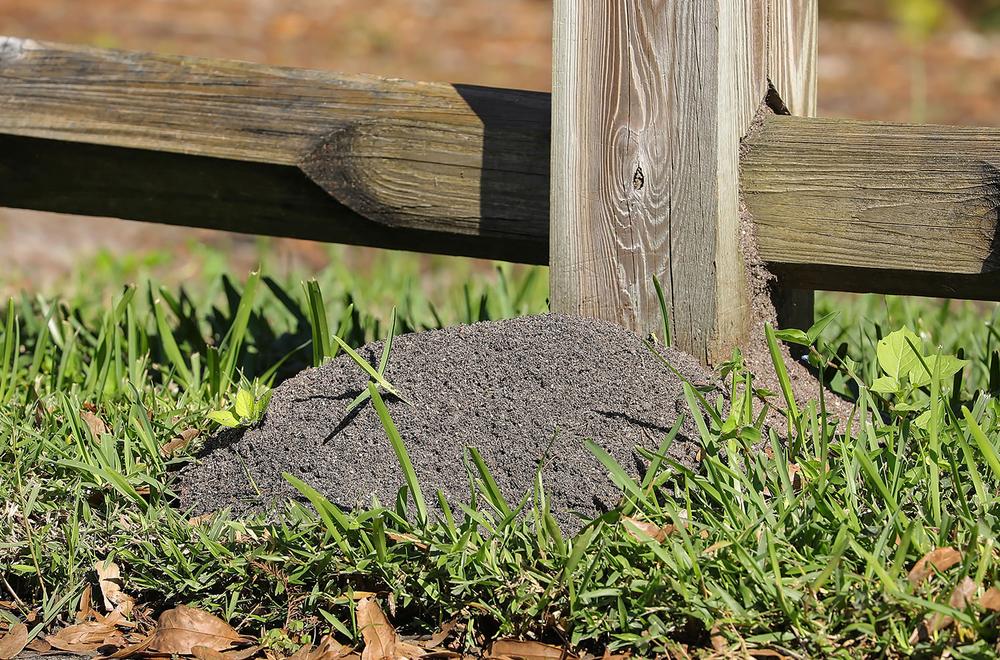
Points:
[[228, 145], [908, 208], [452, 169]]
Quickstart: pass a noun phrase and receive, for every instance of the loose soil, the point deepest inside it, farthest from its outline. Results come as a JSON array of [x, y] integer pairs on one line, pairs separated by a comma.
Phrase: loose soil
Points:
[[523, 392]]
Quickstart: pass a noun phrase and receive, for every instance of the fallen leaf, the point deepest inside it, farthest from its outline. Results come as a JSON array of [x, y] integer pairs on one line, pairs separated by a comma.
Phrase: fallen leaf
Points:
[[39, 646], [527, 650], [382, 642], [182, 628], [795, 472], [330, 649], [407, 538], [95, 423], [86, 637], [241, 654], [179, 443], [132, 649], [715, 547], [940, 559], [991, 599], [615, 656], [115, 618], [719, 642], [14, 641], [302, 653], [963, 593], [765, 653], [109, 579], [85, 610], [437, 639], [634, 526], [960, 598], [206, 653], [195, 521], [921, 633]]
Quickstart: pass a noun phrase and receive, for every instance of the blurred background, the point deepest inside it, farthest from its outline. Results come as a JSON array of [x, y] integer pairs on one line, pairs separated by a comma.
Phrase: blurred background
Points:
[[901, 60]]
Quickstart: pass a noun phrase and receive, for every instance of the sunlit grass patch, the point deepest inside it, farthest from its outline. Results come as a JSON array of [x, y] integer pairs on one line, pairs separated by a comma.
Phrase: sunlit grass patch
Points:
[[870, 535]]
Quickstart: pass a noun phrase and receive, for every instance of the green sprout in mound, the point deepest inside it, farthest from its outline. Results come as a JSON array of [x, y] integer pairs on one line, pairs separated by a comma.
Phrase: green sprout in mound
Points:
[[247, 408], [867, 536]]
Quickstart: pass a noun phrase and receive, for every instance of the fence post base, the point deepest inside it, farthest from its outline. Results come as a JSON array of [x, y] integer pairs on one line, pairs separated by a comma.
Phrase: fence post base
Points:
[[650, 101]]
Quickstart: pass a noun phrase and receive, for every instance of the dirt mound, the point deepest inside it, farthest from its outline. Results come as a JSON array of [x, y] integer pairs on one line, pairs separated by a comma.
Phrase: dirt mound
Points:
[[519, 391]]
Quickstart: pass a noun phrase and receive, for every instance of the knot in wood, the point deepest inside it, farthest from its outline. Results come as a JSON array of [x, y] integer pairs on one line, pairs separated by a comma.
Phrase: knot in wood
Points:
[[638, 179]]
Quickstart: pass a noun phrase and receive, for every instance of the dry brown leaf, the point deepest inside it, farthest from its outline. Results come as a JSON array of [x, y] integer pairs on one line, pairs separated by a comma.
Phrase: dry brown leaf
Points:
[[991, 599], [940, 559], [382, 642], [302, 653], [719, 642], [241, 654], [115, 618], [86, 637], [85, 610], [715, 547], [437, 639], [206, 653], [96, 424], [195, 521], [131, 649], [654, 532], [527, 650], [960, 598], [175, 445], [14, 641], [39, 646], [357, 595], [963, 594], [921, 632], [330, 649], [407, 538], [181, 629], [795, 472], [109, 579]]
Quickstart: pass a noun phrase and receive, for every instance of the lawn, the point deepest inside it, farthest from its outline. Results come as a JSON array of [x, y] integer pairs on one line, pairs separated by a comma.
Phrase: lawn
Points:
[[867, 536]]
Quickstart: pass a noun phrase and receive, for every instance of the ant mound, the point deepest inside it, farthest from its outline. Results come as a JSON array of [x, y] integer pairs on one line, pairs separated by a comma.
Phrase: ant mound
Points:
[[524, 392]]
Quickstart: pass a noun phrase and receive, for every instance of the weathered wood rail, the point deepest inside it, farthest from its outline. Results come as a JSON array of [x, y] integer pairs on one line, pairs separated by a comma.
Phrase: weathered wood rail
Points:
[[898, 198], [637, 165], [356, 159]]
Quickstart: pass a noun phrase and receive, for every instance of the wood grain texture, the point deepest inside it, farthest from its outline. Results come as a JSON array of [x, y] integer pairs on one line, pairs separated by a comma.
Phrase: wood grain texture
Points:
[[438, 159], [793, 52], [650, 102], [793, 46], [888, 197]]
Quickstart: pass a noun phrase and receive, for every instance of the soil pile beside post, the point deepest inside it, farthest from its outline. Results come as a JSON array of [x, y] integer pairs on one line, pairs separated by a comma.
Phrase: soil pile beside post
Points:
[[521, 391]]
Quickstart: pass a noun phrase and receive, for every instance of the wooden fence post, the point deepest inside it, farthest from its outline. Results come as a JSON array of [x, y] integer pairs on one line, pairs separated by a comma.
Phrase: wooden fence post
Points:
[[650, 101]]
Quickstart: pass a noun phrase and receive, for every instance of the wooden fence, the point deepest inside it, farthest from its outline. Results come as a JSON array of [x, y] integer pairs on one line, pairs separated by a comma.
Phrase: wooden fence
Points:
[[643, 161]]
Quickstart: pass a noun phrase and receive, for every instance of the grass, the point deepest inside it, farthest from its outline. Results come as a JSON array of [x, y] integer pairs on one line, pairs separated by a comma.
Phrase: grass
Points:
[[805, 548]]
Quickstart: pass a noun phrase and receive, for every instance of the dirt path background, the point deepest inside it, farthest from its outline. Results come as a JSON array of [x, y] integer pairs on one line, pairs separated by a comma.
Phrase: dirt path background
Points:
[[867, 70]]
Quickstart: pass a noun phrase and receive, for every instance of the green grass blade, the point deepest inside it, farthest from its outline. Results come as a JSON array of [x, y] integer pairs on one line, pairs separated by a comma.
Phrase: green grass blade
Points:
[[490, 485], [401, 454], [986, 448]]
